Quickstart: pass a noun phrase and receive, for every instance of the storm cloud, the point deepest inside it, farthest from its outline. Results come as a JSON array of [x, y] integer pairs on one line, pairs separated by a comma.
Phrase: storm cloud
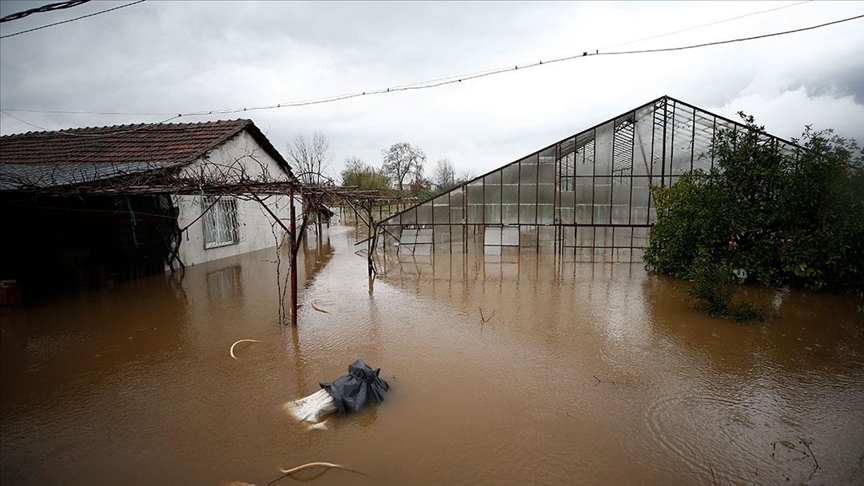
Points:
[[157, 59]]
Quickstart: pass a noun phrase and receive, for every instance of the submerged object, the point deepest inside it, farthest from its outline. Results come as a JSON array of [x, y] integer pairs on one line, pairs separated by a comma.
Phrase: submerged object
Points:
[[349, 393]]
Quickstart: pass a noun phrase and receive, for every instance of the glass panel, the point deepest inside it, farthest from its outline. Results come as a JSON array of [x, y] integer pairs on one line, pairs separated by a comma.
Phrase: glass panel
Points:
[[529, 170], [528, 214], [602, 213], [528, 194], [603, 151], [457, 215], [566, 216], [547, 171], [493, 213], [620, 214], [584, 236], [442, 214], [585, 159], [510, 194], [546, 194], [622, 237], [493, 178], [424, 213], [475, 214], [621, 194], [509, 213], [492, 236], [584, 213], [475, 193], [510, 236], [493, 193], [510, 174], [546, 213]]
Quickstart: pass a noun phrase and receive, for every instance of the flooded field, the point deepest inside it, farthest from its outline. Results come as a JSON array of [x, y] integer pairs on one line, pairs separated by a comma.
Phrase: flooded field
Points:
[[580, 374]]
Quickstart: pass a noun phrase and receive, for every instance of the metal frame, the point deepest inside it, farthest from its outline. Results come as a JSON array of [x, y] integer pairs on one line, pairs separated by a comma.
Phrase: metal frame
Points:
[[606, 171]]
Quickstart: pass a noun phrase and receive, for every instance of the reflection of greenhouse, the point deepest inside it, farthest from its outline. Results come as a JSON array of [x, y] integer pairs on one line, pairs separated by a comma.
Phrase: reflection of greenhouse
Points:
[[586, 196]]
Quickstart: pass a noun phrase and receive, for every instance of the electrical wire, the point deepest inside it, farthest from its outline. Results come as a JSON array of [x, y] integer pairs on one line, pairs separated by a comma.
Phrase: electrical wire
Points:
[[468, 77], [482, 74], [44, 8], [22, 121], [71, 20], [688, 29]]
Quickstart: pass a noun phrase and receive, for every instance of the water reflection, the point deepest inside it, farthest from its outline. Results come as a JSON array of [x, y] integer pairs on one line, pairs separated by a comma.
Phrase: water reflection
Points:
[[586, 374]]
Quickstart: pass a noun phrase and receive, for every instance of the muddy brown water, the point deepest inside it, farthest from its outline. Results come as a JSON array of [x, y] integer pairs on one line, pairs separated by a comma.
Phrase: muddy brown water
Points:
[[584, 374]]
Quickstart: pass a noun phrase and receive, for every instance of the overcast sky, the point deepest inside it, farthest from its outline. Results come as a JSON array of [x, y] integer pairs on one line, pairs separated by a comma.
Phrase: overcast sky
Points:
[[178, 57]]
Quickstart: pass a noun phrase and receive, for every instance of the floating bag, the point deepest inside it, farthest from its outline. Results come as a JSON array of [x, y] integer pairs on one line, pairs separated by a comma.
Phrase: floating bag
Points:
[[358, 389]]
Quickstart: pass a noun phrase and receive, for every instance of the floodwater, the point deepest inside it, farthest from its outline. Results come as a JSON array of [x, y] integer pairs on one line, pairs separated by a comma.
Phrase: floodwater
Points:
[[580, 374]]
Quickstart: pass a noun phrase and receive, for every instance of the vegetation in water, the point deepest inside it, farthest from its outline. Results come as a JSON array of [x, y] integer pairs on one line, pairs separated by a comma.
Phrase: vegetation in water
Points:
[[764, 215]]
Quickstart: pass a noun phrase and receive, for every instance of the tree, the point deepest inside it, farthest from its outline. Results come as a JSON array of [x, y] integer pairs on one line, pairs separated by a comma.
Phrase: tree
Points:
[[402, 160], [358, 174], [464, 177], [444, 176], [765, 216], [309, 157]]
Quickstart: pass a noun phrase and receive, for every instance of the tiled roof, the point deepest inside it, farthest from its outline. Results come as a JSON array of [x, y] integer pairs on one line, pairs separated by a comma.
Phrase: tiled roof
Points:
[[87, 154]]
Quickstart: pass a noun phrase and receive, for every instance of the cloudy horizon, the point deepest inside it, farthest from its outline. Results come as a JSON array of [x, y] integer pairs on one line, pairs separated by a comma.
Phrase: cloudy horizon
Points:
[[159, 58]]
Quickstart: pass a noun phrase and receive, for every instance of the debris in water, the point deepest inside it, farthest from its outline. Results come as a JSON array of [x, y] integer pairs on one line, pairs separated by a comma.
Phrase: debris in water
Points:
[[349, 393], [241, 341], [318, 308], [328, 465]]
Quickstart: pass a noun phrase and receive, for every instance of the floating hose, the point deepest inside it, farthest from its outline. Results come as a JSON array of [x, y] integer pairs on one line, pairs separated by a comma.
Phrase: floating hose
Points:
[[241, 341]]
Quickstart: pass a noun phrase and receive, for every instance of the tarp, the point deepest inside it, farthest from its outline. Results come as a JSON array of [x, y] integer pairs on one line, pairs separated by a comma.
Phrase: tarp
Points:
[[359, 388]]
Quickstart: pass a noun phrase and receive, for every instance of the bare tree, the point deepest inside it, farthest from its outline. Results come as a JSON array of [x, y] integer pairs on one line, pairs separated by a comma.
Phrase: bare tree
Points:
[[444, 176], [402, 160], [309, 157], [464, 177]]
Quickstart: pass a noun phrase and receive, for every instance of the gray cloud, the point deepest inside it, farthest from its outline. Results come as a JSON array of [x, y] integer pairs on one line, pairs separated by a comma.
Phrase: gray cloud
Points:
[[176, 57]]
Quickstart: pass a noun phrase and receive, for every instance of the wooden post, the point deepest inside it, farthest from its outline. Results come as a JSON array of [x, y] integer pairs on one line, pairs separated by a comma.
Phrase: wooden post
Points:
[[294, 244]]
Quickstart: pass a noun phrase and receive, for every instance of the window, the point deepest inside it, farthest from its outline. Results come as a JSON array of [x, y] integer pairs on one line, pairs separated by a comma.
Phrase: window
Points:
[[220, 221]]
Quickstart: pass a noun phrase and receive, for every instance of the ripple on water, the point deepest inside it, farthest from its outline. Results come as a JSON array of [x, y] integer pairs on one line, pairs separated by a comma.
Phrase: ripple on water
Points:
[[693, 428]]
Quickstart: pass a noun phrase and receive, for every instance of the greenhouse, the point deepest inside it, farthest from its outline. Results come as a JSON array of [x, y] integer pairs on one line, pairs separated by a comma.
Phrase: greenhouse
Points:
[[587, 195]]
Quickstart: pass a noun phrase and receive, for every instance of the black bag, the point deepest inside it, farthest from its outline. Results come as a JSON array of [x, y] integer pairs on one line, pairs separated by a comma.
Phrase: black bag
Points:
[[359, 388]]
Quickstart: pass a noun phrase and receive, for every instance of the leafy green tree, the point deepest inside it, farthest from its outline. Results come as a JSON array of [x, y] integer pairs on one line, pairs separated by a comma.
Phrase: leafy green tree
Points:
[[767, 215], [358, 174]]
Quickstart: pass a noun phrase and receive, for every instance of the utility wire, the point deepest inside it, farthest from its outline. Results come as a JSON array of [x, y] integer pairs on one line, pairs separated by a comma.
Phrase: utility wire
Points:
[[462, 76], [22, 121], [458, 79], [45, 8], [71, 20], [688, 29]]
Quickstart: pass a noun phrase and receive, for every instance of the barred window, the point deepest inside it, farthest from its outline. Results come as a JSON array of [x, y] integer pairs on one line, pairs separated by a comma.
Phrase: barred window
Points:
[[220, 223]]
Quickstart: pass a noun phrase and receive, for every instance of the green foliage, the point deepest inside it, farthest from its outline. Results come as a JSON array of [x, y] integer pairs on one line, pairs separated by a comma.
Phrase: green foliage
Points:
[[358, 174], [715, 285], [779, 218]]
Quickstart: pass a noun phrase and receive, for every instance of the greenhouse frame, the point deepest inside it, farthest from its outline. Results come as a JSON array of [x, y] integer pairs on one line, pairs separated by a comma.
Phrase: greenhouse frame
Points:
[[588, 195]]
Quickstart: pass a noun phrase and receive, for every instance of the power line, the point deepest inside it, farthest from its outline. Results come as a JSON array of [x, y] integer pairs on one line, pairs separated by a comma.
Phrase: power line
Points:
[[71, 20], [45, 8], [22, 121], [462, 76], [688, 29], [458, 79], [87, 135]]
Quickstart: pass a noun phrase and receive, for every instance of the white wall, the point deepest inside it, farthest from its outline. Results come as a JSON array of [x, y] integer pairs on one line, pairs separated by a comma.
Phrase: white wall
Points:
[[256, 226]]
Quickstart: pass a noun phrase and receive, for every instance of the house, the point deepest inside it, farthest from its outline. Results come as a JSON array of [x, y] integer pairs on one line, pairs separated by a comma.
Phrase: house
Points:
[[82, 206], [587, 197]]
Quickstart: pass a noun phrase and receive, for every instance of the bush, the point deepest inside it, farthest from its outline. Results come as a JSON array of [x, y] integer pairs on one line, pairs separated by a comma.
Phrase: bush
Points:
[[783, 218], [786, 219]]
